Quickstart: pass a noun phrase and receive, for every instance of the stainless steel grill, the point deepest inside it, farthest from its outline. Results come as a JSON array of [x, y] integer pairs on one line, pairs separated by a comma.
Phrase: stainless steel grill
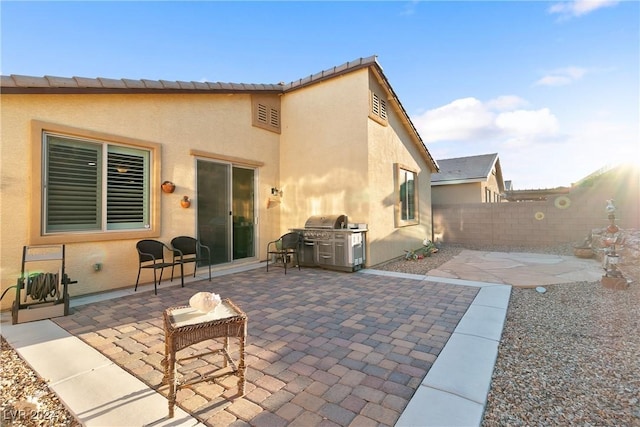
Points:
[[330, 222], [329, 242]]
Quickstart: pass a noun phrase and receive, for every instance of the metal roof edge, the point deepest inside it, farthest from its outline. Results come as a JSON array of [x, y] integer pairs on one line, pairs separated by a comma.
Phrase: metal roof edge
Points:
[[19, 84], [347, 67], [457, 181]]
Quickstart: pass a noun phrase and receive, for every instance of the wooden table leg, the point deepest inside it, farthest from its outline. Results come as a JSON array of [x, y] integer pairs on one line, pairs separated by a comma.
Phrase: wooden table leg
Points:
[[241, 365], [169, 373], [225, 362]]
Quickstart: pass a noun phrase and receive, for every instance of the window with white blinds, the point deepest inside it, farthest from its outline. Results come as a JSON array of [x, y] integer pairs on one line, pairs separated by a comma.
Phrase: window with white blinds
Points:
[[94, 186]]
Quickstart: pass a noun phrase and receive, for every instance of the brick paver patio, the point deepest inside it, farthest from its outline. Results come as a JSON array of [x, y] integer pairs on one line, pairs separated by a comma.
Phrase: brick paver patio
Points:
[[323, 348]]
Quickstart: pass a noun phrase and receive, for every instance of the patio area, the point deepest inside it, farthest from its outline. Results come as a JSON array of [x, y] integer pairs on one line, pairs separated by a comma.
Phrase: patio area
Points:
[[323, 348]]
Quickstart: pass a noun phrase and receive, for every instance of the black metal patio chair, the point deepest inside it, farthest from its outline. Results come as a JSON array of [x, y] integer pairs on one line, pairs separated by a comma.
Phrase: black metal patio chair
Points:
[[151, 255], [283, 249], [187, 249]]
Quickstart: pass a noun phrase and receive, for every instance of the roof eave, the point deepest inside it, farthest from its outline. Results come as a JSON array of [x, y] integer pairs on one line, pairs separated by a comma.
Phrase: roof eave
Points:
[[113, 91], [457, 181], [422, 147], [17, 84]]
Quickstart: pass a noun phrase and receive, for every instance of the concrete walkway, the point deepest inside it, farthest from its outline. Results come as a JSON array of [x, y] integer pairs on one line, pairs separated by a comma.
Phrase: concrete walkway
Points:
[[452, 393]]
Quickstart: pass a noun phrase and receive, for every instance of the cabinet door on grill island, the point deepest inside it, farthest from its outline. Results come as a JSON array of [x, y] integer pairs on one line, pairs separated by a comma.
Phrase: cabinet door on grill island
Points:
[[326, 252]]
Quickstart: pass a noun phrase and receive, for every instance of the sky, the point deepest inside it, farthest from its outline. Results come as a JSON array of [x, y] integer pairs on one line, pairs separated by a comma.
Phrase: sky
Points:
[[552, 87]]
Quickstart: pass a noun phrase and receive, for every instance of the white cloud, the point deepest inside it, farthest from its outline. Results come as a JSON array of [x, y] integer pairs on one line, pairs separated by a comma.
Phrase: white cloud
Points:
[[553, 81], [460, 120], [469, 119], [573, 72], [577, 8], [528, 123], [506, 102], [562, 76], [534, 151]]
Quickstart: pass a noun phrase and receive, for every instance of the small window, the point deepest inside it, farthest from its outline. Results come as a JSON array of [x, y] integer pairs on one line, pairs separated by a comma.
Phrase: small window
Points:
[[378, 109], [406, 210], [90, 186]]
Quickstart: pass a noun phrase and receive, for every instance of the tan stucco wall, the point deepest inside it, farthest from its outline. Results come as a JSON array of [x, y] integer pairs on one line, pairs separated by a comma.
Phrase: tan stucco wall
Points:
[[336, 160], [472, 192], [324, 150], [391, 145], [217, 124]]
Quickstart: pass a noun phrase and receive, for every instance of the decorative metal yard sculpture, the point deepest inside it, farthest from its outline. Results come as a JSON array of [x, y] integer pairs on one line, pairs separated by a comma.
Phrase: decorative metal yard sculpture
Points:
[[612, 278]]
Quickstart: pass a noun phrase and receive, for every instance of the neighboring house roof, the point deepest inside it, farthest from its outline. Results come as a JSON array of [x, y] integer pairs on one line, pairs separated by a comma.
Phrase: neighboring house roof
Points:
[[533, 195], [463, 170], [17, 84]]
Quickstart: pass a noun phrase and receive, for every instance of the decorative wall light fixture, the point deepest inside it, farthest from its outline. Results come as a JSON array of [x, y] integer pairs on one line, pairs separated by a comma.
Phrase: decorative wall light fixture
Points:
[[275, 197]]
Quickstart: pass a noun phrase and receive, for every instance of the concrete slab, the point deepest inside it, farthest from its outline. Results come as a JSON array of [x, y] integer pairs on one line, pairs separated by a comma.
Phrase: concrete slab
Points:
[[494, 296], [430, 407], [464, 367], [461, 282], [482, 321], [26, 334], [391, 274], [119, 400], [96, 391], [48, 349]]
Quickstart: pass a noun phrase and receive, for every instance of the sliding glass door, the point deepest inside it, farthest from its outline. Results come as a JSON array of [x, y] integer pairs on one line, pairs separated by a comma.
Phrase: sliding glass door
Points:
[[226, 210]]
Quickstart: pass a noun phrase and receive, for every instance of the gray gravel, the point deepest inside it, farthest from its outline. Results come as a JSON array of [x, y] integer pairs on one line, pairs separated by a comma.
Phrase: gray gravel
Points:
[[25, 398], [569, 356]]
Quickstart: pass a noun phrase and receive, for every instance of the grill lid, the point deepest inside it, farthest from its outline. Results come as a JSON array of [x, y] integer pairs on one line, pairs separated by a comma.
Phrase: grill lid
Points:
[[327, 221]]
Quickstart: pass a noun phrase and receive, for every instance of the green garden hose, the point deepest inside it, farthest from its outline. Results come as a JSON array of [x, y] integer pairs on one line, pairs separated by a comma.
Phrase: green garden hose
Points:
[[42, 285]]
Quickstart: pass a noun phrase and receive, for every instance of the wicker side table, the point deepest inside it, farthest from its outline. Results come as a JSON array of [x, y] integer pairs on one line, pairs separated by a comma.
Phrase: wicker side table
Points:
[[185, 326]]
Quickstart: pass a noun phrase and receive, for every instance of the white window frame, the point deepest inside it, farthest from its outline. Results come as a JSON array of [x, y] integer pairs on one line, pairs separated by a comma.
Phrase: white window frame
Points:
[[145, 158]]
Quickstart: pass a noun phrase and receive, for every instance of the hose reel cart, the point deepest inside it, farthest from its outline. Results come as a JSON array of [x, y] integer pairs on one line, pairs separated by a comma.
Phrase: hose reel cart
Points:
[[41, 290]]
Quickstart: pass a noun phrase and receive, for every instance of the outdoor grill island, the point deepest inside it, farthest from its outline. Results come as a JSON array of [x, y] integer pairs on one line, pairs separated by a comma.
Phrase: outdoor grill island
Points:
[[329, 241]]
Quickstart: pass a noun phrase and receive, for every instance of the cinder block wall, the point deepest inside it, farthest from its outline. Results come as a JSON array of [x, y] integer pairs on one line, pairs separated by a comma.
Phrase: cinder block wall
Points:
[[541, 223]]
